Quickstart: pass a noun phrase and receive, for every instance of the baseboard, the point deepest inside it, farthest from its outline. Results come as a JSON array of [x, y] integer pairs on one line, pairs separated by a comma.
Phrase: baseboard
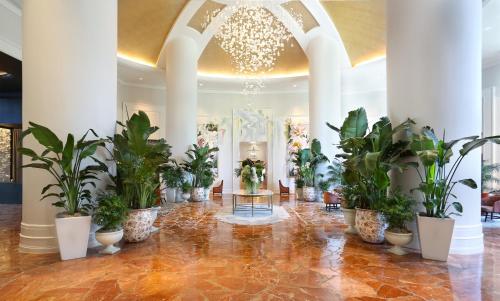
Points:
[[38, 239]]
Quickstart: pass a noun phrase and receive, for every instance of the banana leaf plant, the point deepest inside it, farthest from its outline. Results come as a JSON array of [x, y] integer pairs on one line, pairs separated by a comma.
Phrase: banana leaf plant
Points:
[[139, 161], [438, 182], [200, 164], [72, 164], [370, 155], [311, 155]]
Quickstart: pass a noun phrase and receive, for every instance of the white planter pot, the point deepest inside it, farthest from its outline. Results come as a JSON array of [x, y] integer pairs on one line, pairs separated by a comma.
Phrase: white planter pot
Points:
[[309, 194], [435, 235], [73, 236], [155, 211], [398, 240], [198, 194], [171, 194], [370, 225], [137, 226], [300, 193], [291, 184], [207, 194], [350, 220], [108, 239]]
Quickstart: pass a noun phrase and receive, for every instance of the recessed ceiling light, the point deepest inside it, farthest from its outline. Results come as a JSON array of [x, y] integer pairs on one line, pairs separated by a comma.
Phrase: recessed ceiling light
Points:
[[295, 85], [140, 78], [201, 84]]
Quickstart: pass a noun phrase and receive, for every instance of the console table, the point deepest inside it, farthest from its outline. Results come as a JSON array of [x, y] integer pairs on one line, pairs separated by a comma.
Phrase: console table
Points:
[[238, 206]]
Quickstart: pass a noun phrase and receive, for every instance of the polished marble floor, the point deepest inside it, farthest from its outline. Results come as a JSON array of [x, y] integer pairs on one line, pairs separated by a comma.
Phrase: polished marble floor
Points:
[[196, 257]]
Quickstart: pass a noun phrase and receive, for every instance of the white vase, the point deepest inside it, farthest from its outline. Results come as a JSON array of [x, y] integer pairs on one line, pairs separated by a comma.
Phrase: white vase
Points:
[[291, 184], [350, 220], [309, 194], [137, 226], [108, 239], [435, 235], [72, 235], [155, 211], [171, 194], [198, 194], [398, 240], [370, 225]]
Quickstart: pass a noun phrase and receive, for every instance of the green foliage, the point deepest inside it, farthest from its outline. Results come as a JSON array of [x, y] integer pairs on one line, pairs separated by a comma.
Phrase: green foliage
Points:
[[110, 213], [186, 187], [201, 163], [251, 172], [350, 196], [138, 161], [324, 185], [172, 174], [368, 157], [398, 210], [437, 182], [307, 174], [312, 157], [299, 183], [488, 176], [64, 162]]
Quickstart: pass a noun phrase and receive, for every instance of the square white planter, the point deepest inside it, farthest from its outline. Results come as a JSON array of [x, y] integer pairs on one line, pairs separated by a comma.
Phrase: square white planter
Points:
[[435, 236], [73, 236]]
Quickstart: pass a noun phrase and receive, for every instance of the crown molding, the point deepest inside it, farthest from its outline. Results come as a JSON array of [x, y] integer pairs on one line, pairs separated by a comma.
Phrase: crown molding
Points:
[[12, 7], [11, 48]]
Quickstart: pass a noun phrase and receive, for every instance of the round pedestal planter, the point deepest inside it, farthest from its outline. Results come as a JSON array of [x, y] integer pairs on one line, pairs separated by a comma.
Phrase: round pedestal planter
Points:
[[108, 239], [398, 240], [137, 226], [185, 196], [435, 235], [300, 193], [198, 194], [72, 235], [350, 220], [370, 225], [309, 194]]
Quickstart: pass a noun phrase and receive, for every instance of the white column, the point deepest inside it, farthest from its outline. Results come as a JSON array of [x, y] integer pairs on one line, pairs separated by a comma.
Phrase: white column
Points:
[[69, 85], [324, 91], [182, 94], [434, 76]]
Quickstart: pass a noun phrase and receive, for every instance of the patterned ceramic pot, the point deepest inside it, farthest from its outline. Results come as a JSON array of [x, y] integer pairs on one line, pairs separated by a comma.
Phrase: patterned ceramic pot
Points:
[[309, 194], [370, 225], [198, 194], [137, 226]]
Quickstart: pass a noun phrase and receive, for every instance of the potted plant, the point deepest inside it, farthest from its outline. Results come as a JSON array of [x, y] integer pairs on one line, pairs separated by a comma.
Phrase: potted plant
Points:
[[435, 225], [252, 174], [299, 190], [110, 214], [200, 164], [398, 210], [207, 181], [172, 175], [75, 168], [186, 190], [348, 204], [138, 164], [369, 156], [307, 174]]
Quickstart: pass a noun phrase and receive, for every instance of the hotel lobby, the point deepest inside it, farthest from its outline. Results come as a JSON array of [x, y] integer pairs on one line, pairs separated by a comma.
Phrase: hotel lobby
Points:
[[249, 150]]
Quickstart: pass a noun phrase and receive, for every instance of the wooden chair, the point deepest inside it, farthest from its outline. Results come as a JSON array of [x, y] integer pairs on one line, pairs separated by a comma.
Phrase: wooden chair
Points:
[[283, 189], [218, 189], [331, 200]]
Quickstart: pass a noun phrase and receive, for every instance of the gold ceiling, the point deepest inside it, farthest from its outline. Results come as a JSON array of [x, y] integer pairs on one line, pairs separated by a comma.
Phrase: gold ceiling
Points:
[[144, 25]]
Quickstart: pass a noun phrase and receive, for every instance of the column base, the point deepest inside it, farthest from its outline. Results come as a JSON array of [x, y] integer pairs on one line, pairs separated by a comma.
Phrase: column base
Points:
[[38, 239], [467, 240]]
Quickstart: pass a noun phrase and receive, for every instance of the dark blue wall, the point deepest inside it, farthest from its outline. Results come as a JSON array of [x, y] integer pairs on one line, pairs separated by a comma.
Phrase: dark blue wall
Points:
[[10, 110]]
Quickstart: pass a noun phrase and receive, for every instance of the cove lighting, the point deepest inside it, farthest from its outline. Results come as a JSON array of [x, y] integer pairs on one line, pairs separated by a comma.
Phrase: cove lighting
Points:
[[368, 61], [260, 76], [136, 60]]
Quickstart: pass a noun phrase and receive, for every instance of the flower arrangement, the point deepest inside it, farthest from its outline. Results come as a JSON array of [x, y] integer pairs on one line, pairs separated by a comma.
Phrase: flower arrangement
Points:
[[296, 133], [307, 174], [252, 174]]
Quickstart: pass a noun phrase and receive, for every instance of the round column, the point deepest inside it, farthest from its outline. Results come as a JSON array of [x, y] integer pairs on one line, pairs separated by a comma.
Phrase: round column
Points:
[[324, 91], [182, 94], [434, 77], [69, 85]]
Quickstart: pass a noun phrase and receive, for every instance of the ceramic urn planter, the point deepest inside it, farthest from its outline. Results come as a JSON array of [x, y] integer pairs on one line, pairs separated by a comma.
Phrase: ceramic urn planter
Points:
[[370, 225], [309, 194], [435, 235], [72, 235], [398, 240], [108, 239], [198, 194], [137, 226], [350, 220]]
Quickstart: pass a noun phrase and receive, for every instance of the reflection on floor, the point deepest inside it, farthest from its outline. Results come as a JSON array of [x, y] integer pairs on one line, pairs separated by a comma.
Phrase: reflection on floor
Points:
[[195, 257]]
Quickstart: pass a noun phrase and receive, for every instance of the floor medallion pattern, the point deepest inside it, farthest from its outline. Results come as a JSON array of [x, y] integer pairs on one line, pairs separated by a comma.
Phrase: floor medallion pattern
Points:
[[196, 257]]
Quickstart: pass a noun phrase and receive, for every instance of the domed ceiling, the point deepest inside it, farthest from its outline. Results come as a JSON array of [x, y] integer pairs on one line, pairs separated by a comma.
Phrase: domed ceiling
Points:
[[142, 30]]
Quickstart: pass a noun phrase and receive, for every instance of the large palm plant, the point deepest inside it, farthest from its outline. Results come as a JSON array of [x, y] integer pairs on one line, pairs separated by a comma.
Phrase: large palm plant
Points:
[[73, 166], [200, 164], [369, 156], [139, 161]]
